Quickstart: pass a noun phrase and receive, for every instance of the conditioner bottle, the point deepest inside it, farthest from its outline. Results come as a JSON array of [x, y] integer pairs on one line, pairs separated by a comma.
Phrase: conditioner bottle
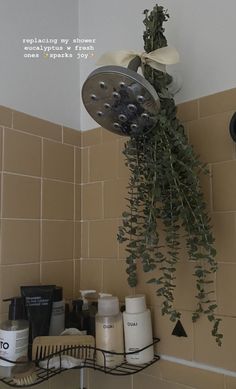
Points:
[[137, 330]]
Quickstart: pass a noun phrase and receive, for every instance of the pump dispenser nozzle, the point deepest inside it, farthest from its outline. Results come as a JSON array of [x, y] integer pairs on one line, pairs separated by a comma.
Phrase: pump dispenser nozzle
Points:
[[84, 294], [16, 308], [101, 295]]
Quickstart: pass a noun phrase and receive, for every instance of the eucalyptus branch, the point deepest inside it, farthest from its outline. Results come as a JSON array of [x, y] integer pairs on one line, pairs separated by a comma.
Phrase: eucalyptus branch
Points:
[[164, 188]]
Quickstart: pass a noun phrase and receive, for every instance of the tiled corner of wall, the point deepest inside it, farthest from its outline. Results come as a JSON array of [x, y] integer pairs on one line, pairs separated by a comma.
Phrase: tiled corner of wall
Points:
[[62, 197], [40, 203], [104, 180]]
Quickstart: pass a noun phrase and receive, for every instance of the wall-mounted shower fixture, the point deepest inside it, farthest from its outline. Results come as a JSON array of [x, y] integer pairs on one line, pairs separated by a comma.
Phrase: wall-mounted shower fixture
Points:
[[121, 100], [232, 127]]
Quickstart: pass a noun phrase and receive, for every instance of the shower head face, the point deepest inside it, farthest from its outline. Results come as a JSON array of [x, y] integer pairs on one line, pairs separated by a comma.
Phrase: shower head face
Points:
[[120, 100]]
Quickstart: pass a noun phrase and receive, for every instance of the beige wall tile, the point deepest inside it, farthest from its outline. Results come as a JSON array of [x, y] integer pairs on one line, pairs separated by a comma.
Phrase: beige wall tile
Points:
[[85, 165], [142, 381], [89, 274], [57, 240], [20, 241], [58, 161], [188, 111], [58, 200], [207, 351], [102, 239], [33, 125], [98, 380], [230, 382], [123, 170], [77, 271], [77, 239], [1, 147], [211, 139], [92, 201], [218, 102], [59, 273], [224, 186], [84, 239], [185, 375], [67, 379], [180, 347], [71, 136], [18, 275], [5, 116], [115, 192], [103, 161], [78, 189], [91, 137], [154, 370], [78, 165], [21, 197], [22, 153], [108, 136], [226, 289], [115, 279], [224, 229], [185, 291]]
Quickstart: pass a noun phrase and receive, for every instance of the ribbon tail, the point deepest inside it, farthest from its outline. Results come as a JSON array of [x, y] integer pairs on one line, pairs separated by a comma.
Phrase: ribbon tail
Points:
[[156, 65], [165, 55], [119, 58]]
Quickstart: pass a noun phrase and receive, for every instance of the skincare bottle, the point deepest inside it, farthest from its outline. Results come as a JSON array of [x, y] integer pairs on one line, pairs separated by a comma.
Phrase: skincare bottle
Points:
[[137, 330], [57, 322], [109, 332], [14, 333], [86, 310], [76, 317]]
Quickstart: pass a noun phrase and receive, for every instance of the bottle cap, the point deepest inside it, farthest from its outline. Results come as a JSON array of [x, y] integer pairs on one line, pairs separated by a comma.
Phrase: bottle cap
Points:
[[135, 304], [108, 306], [58, 293], [16, 308]]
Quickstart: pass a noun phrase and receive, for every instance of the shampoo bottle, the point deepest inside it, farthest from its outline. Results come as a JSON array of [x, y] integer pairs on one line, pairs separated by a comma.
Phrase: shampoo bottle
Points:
[[137, 330], [109, 332], [14, 333]]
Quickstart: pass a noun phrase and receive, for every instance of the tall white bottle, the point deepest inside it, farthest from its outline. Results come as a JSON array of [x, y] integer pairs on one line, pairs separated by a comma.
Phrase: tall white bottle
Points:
[[109, 332], [137, 330]]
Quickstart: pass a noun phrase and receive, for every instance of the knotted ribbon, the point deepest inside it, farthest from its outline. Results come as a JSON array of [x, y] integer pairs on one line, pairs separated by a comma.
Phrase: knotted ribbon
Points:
[[157, 59]]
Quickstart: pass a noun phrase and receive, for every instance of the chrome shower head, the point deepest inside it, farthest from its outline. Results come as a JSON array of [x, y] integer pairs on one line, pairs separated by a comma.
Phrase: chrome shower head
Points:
[[120, 100]]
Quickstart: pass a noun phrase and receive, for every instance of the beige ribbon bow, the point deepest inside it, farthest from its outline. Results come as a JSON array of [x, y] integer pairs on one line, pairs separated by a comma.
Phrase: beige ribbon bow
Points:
[[157, 59]]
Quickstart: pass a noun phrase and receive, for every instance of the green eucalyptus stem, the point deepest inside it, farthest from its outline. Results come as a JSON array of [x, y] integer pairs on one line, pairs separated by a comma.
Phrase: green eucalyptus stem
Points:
[[164, 196]]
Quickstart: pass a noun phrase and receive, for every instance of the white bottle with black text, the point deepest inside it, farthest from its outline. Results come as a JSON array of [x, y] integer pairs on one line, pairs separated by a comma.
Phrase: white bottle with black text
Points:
[[137, 330]]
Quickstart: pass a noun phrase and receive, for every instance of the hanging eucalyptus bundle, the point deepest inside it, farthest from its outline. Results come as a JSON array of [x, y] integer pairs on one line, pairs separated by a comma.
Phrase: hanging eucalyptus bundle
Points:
[[164, 194]]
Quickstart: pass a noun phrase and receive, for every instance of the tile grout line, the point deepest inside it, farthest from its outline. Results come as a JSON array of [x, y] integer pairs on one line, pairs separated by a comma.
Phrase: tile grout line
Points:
[[37, 177]]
